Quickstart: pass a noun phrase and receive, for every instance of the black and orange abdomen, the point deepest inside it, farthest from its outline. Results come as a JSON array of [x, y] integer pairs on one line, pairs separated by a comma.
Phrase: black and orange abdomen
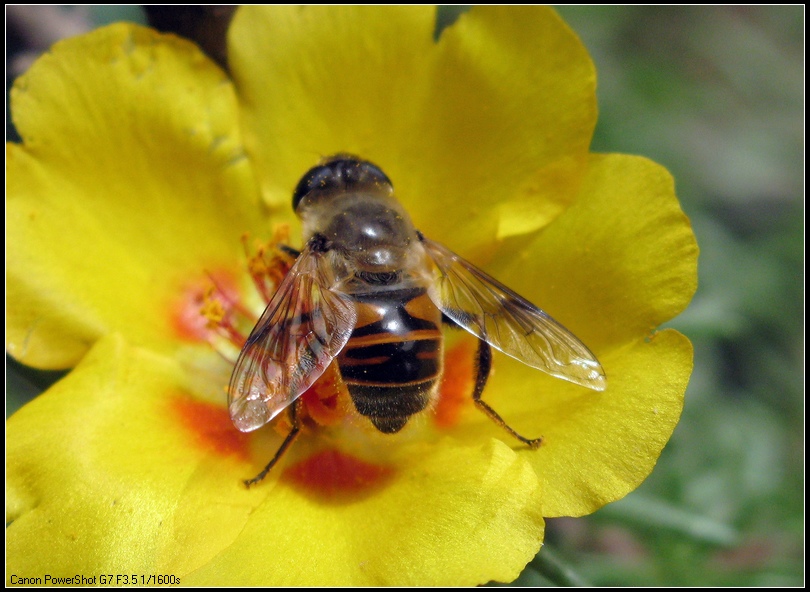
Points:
[[393, 359]]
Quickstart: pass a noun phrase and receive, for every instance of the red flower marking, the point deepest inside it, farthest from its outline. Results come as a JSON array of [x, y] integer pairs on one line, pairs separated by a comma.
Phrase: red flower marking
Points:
[[455, 390], [334, 475], [210, 427], [185, 317]]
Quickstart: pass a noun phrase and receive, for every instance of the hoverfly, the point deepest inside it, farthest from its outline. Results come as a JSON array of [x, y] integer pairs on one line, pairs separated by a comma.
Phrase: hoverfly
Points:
[[370, 291]]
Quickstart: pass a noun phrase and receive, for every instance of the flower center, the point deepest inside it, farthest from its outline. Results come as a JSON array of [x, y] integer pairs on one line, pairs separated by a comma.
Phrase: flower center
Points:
[[229, 321], [225, 319]]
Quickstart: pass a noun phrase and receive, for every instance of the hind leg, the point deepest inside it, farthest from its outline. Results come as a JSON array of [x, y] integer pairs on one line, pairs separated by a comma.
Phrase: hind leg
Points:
[[483, 365]]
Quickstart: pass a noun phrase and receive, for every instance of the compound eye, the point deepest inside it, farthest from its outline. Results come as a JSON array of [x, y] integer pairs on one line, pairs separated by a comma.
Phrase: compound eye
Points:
[[361, 173], [341, 172], [320, 177]]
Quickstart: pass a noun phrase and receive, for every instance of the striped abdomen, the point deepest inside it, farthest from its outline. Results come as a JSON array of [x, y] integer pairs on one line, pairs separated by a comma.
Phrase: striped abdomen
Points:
[[392, 361]]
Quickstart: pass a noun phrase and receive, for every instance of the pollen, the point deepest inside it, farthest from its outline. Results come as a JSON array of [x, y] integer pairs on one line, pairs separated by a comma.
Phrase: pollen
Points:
[[198, 307], [224, 313], [212, 309]]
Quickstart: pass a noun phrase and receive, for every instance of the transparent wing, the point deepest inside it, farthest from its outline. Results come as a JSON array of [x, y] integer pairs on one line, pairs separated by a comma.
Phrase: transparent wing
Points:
[[508, 322], [303, 328]]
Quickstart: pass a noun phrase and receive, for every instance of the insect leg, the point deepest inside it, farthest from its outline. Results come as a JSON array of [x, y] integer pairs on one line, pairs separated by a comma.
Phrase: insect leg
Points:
[[296, 427], [289, 250], [483, 365]]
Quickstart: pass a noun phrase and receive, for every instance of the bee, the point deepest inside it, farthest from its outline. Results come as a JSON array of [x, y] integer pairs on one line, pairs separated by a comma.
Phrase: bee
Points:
[[371, 292]]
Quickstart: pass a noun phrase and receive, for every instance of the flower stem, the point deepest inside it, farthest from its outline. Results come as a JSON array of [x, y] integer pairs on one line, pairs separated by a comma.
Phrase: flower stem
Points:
[[557, 571]]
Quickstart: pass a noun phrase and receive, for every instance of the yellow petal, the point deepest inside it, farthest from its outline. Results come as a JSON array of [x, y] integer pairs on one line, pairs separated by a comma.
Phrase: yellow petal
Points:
[[483, 133], [121, 468], [506, 126], [454, 515], [618, 263], [118, 468], [317, 80], [130, 179], [597, 447]]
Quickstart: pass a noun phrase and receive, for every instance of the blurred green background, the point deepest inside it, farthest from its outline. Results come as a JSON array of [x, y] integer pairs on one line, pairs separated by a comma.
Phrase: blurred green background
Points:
[[715, 94]]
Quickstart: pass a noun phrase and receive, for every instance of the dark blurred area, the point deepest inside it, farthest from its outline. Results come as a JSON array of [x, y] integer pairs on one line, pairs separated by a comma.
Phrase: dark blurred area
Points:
[[206, 25], [716, 95]]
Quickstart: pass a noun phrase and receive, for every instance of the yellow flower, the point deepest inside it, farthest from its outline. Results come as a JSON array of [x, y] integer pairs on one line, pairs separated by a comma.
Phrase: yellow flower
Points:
[[141, 167]]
